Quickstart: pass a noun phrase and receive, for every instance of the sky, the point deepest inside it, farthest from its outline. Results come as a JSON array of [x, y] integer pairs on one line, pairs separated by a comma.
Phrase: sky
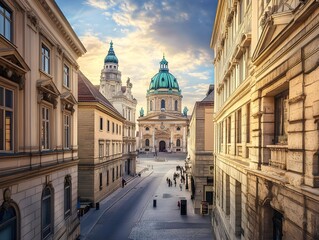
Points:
[[142, 31]]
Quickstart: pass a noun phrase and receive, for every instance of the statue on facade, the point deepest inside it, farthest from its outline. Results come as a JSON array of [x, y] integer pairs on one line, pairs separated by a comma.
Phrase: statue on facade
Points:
[[185, 110], [142, 112]]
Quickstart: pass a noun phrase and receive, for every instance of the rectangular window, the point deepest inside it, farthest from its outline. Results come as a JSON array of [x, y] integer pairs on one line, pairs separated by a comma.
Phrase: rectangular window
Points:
[[113, 128], [101, 149], [248, 124], [101, 124], [100, 185], [117, 172], [121, 170], [67, 131], [45, 59], [113, 174], [107, 152], [281, 120], [67, 197], [239, 126], [5, 22], [66, 76], [45, 128], [6, 119], [117, 129], [120, 130], [107, 177], [229, 130], [108, 125]]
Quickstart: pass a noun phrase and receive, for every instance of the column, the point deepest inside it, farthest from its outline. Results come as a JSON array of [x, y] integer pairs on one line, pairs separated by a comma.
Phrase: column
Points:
[[141, 138], [153, 150]]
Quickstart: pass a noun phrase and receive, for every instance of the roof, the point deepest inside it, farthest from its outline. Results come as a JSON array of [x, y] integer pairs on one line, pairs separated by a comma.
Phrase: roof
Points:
[[111, 57], [210, 94], [89, 93], [163, 79]]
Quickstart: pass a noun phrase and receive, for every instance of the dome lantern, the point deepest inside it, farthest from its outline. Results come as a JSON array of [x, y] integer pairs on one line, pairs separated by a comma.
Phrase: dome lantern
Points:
[[111, 57]]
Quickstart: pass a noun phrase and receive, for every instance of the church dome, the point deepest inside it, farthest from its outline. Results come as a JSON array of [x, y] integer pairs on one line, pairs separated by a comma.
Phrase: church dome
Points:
[[163, 79], [110, 57]]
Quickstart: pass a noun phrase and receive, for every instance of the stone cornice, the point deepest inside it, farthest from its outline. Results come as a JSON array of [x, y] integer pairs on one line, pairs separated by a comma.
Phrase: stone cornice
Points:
[[55, 14]]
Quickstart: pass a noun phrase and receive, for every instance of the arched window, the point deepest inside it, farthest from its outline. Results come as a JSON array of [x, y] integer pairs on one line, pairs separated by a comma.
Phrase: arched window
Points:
[[178, 128], [47, 212], [8, 218], [176, 105], [147, 129], [162, 103], [151, 105], [147, 142], [178, 143], [67, 196]]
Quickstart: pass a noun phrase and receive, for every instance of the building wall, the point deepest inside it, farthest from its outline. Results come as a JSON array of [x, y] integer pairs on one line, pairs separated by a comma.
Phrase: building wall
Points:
[[272, 173], [27, 168], [200, 162], [96, 160]]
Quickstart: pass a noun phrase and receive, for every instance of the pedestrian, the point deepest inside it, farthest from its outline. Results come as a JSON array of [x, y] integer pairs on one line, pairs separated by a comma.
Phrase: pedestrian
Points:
[[175, 182], [180, 186]]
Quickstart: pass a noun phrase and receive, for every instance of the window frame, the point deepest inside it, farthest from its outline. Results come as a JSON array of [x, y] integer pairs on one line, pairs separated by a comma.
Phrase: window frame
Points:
[[45, 46], [101, 124], [50, 226], [3, 14], [178, 142], [163, 104], [147, 142], [67, 134], [281, 122], [11, 110], [47, 145], [67, 196], [66, 76]]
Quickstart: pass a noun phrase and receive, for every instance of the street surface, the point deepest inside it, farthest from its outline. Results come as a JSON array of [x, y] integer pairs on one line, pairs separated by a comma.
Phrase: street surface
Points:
[[128, 213]]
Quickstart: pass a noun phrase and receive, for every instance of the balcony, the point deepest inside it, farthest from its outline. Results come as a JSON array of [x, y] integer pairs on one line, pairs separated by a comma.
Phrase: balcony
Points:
[[278, 156]]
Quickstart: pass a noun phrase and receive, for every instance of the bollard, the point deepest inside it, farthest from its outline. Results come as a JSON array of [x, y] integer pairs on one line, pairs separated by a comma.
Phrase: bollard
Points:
[[97, 206], [154, 202]]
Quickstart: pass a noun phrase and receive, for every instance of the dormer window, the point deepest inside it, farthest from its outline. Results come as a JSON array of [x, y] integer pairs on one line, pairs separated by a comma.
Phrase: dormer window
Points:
[[147, 129], [178, 128]]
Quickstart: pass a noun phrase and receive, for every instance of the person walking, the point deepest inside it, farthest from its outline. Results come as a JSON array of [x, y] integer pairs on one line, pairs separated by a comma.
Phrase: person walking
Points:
[[180, 186]]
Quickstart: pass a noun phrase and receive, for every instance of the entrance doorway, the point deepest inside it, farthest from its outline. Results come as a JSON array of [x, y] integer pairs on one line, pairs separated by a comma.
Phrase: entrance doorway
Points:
[[162, 146]]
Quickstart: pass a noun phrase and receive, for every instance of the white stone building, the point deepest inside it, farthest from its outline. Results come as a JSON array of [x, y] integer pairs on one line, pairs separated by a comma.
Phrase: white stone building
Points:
[[164, 127], [122, 99], [38, 122]]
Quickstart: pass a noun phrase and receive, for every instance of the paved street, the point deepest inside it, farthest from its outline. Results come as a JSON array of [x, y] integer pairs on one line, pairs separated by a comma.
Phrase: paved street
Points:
[[128, 213]]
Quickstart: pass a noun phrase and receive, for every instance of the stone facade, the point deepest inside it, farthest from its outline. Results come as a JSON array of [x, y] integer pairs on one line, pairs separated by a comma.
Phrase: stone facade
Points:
[[275, 166], [200, 162], [100, 144], [38, 125], [164, 127], [121, 97]]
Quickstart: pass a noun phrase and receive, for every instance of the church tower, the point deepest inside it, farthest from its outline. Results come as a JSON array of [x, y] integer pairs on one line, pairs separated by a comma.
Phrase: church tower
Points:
[[110, 82], [122, 99]]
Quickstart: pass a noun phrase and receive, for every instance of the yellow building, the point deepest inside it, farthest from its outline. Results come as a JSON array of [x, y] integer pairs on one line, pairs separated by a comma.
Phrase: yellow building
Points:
[[200, 143], [38, 122], [164, 127], [100, 144], [266, 114]]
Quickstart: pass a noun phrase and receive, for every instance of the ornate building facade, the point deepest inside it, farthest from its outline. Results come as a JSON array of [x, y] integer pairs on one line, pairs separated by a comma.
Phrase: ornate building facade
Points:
[[38, 122], [122, 99], [200, 162], [266, 114], [100, 144], [164, 127]]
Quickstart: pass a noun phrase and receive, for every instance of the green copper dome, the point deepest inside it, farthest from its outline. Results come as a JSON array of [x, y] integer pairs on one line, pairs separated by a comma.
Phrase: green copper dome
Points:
[[163, 79], [110, 57]]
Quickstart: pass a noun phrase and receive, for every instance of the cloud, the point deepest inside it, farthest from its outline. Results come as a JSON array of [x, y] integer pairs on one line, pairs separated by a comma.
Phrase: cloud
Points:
[[200, 75], [101, 4]]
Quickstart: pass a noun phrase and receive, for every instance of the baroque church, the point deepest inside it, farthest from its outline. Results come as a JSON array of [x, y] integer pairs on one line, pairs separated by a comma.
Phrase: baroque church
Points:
[[164, 127], [122, 99]]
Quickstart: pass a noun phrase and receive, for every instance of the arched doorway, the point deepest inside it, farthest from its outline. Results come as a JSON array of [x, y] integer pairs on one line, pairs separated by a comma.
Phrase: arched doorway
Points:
[[162, 146]]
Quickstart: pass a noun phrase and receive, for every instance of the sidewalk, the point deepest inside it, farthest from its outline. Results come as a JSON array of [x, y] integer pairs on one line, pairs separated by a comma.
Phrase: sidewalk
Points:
[[165, 221]]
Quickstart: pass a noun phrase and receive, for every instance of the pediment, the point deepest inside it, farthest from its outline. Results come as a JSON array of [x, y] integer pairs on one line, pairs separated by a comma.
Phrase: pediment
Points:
[[162, 116], [12, 65], [273, 27], [68, 101], [47, 91]]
